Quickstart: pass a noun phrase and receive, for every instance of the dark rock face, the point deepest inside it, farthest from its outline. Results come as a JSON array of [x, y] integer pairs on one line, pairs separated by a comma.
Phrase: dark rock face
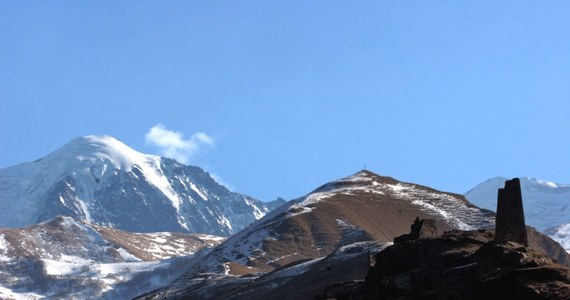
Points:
[[459, 265], [510, 214], [420, 229]]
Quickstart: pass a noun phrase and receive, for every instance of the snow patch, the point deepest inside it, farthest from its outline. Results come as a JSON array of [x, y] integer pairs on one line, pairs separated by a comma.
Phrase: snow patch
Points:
[[397, 188], [453, 210], [222, 220], [359, 247], [227, 269], [4, 246], [68, 266], [280, 258], [343, 225], [295, 270], [297, 209], [432, 208], [9, 294], [3, 243], [257, 213], [359, 182], [127, 256], [84, 210], [207, 237], [198, 191], [561, 234]]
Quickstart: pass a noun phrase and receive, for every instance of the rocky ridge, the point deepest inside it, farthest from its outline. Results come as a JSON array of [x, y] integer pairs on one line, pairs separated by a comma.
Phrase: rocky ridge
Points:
[[68, 258], [459, 265], [364, 207]]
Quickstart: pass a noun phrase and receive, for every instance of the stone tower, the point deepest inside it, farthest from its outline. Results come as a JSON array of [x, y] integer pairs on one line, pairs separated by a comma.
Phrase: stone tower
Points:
[[510, 224]]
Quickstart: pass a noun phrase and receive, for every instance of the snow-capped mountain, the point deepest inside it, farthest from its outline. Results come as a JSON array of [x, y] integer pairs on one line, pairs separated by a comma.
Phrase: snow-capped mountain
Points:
[[100, 180], [339, 215], [546, 204], [65, 258]]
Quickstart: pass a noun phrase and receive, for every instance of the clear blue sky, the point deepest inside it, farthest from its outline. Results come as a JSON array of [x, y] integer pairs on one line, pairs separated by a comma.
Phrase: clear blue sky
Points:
[[291, 94]]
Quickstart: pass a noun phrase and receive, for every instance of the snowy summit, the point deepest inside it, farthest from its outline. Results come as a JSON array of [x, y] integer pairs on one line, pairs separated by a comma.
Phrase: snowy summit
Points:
[[101, 180]]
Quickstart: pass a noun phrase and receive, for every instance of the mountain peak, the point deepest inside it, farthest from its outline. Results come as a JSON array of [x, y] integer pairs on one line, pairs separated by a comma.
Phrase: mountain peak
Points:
[[101, 148], [543, 183], [361, 178], [97, 141], [100, 180]]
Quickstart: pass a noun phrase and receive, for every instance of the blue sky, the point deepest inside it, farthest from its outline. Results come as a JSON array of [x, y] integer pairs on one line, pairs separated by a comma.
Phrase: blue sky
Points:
[[278, 97]]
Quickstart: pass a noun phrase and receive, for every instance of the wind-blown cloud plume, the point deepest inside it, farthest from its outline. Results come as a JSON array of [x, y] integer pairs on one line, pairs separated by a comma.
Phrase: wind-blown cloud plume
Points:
[[173, 145], [219, 180]]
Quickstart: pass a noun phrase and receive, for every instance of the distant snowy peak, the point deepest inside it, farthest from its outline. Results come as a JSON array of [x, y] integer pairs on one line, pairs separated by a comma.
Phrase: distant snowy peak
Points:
[[104, 152], [527, 184], [104, 149], [105, 155], [546, 204], [103, 181]]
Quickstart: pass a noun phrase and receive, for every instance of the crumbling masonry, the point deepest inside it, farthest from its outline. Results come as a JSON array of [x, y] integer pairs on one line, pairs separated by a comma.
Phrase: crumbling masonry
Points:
[[510, 225]]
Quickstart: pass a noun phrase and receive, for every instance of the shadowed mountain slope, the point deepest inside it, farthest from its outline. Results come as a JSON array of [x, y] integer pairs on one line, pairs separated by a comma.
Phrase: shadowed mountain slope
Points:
[[459, 265]]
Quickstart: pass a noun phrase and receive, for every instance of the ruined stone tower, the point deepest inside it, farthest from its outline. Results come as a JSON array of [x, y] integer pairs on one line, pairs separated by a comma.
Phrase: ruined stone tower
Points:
[[510, 224]]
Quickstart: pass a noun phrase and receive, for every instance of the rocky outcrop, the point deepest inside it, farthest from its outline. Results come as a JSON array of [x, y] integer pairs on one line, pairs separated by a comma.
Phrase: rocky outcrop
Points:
[[420, 229], [459, 265], [467, 264]]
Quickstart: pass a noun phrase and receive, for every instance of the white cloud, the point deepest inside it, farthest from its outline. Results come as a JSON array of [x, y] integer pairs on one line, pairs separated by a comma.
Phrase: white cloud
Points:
[[219, 180], [173, 145]]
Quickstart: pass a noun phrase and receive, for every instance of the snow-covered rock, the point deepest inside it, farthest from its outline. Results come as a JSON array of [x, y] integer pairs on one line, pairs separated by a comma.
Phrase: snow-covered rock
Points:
[[561, 234], [65, 258], [103, 181]]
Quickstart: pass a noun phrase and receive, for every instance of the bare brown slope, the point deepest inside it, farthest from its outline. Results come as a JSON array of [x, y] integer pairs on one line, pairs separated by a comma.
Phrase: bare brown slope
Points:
[[362, 207], [318, 232], [158, 245], [357, 210], [69, 236]]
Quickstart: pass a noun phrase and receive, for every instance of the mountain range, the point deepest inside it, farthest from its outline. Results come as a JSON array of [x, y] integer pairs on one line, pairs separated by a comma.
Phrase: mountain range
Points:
[[97, 219], [65, 258], [102, 181], [325, 237]]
